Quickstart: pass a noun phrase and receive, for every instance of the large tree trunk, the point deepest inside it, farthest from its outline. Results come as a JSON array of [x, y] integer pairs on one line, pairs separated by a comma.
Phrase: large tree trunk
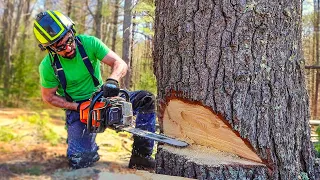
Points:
[[230, 78]]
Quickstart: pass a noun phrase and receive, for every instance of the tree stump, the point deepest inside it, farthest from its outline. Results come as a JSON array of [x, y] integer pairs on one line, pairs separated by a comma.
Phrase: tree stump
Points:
[[206, 163]]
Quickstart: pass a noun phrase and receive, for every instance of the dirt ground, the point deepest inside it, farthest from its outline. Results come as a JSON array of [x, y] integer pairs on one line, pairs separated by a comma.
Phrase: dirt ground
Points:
[[31, 158]]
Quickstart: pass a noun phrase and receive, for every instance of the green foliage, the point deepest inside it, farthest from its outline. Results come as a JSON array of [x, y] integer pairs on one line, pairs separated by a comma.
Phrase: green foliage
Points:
[[147, 82], [143, 77], [24, 90], [24, 85], [145, 15], [50, 136], [106, 10], [317, 144], [34, 170], [39, 123], [35, 119], [6, 134], [42, 127]]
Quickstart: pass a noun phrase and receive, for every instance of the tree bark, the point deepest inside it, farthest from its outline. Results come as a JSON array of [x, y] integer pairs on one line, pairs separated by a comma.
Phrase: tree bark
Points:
[[115, 25], [206, 165], [127, 38], [242, 60], [98, 19], [69, 7], [11, 26]]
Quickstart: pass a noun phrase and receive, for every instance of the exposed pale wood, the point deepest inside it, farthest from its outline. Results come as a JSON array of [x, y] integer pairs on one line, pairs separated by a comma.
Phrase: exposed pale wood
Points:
[[314, 122], [206, 163], [199, 125]]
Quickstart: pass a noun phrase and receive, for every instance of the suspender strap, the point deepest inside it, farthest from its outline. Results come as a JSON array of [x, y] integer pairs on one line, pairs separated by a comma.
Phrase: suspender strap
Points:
[[62, 77], [86, 61]]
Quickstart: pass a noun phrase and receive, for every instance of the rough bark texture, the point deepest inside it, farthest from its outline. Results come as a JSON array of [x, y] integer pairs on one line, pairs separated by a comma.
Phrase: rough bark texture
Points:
[[243, 60], [181, 165]]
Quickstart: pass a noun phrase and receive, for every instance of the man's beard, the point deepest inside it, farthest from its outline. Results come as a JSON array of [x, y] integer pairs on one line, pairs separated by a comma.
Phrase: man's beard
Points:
[[71, 56]]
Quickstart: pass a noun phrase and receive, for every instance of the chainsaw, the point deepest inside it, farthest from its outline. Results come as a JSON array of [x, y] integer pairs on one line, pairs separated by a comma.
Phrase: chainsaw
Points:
[[116, 113]]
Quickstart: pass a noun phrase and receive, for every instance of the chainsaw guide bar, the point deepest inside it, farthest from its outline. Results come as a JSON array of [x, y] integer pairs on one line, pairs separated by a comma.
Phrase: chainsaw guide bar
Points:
[[154, 136]]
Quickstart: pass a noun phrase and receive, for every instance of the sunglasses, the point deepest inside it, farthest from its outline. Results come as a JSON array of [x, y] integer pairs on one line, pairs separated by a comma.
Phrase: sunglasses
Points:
[[63, 47]]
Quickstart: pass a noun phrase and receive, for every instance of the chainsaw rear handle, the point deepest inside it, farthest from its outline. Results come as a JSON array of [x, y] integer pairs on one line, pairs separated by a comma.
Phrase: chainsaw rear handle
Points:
[[93, 102], [125, 94]]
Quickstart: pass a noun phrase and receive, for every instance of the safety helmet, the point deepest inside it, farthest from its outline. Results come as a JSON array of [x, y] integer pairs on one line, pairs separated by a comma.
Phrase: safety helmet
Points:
[[50, 26]]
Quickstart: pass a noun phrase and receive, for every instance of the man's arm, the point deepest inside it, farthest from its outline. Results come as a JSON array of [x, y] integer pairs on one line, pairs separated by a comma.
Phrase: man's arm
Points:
[[119, 67], [49, 95]]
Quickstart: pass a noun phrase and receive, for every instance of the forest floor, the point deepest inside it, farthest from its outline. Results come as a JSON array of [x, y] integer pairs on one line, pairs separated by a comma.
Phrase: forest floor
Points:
[[33, 146]]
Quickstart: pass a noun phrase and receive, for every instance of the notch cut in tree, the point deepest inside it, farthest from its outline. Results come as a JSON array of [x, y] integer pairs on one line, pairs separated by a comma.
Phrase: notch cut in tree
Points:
[[199, 125], [230, 78]]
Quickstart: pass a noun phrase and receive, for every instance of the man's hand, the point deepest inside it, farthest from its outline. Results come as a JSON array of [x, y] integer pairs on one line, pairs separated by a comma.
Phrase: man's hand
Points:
[[111, 88], [78, 107]]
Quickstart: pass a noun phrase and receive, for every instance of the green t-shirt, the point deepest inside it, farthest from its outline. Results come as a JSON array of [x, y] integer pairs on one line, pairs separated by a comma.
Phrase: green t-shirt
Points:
[[80, 85]]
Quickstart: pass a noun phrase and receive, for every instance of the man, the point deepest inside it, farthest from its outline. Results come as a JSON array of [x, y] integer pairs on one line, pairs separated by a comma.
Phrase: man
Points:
[[70, 74]]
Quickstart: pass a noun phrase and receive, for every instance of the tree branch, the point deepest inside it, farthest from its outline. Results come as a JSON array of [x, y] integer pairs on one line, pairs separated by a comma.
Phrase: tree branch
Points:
[[89, 8]]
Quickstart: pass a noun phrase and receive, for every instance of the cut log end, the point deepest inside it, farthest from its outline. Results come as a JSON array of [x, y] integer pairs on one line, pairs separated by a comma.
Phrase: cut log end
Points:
[[200, 126]]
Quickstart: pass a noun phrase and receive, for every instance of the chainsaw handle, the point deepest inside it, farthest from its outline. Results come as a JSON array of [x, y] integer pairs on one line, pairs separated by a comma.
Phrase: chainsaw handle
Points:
[[93, 102], [126, 94]]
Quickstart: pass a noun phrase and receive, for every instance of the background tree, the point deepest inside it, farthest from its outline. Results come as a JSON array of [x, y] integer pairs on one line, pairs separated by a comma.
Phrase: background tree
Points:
[[230, 75], [115, 24], [127, 39], [142, 61], [316, 57]]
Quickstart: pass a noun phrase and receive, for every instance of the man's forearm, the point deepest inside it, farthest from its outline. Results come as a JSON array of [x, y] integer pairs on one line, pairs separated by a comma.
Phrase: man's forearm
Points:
[[61, 102], [119, 70]]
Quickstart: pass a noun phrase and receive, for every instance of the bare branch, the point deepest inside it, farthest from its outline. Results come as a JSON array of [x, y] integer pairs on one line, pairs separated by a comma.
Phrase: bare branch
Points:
[[87, 4]]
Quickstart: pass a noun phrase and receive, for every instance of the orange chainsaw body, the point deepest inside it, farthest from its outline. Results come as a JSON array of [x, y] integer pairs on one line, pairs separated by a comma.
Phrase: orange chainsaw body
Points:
[[96, 112]]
